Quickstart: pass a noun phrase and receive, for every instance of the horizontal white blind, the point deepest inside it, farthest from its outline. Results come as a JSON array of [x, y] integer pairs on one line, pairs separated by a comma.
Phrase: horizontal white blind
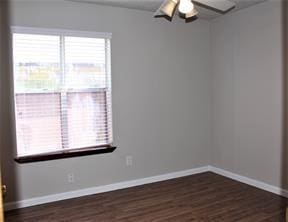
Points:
[[62, 92]]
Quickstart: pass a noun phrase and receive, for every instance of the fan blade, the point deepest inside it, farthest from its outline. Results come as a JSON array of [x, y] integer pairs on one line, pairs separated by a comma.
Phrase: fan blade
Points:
[[220, 5], [191, 14], [167, 8]]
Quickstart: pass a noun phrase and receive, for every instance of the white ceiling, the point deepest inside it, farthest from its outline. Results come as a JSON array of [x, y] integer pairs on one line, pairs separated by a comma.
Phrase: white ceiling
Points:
[[153, 5]]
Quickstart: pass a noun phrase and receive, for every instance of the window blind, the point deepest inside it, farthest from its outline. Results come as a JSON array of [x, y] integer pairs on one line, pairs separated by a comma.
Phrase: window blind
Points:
[[62, 90]]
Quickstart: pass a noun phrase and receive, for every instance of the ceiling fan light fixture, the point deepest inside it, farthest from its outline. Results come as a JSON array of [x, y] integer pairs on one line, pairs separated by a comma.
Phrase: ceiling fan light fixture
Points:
[[191, 14], [185, 6], [187, 10]]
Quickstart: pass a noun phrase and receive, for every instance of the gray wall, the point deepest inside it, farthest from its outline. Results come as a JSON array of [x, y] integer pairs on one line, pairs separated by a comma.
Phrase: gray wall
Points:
[[161, 98], [247, 92], [164, 94]]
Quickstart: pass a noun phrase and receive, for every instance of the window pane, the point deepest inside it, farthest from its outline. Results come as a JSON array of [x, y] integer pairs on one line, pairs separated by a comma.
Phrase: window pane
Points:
[[87, 119], [62, 92], [36, 62], [85, 62], [38, 123]]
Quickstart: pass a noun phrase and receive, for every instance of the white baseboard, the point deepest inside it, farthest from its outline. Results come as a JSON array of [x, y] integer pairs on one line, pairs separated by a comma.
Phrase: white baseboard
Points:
[[101, 189], [142, 181], [255, 183]]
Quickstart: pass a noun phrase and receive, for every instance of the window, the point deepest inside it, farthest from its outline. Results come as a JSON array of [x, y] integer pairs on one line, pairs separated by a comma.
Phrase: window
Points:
[[62, 91]]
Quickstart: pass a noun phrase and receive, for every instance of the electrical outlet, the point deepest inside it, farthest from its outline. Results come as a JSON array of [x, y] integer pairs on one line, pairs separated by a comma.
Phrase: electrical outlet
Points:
[[70, 178], [129, 161]]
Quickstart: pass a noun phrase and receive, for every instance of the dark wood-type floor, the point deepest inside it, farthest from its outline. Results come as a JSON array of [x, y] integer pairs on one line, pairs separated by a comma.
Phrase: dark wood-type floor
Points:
[[202, 197]]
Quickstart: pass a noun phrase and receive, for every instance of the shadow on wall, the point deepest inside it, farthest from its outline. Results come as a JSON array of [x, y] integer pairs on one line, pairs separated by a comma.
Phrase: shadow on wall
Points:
[[8, 166]]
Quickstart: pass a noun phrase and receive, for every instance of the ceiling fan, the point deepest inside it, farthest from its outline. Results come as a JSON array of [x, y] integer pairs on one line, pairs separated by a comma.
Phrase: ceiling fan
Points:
[[187, 10]]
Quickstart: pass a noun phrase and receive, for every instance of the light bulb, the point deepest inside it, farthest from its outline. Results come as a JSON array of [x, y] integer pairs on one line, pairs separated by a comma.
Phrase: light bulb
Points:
[[185, 6]]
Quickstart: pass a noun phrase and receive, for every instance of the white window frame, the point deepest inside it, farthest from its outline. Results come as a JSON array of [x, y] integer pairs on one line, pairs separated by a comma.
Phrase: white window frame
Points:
[[72, 33]]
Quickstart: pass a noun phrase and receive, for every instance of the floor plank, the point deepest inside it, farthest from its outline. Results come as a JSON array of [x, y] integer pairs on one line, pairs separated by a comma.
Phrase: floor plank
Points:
[[203, 197]]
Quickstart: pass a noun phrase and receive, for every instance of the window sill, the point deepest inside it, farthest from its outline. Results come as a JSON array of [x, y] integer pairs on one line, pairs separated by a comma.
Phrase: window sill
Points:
[[65, 154]]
